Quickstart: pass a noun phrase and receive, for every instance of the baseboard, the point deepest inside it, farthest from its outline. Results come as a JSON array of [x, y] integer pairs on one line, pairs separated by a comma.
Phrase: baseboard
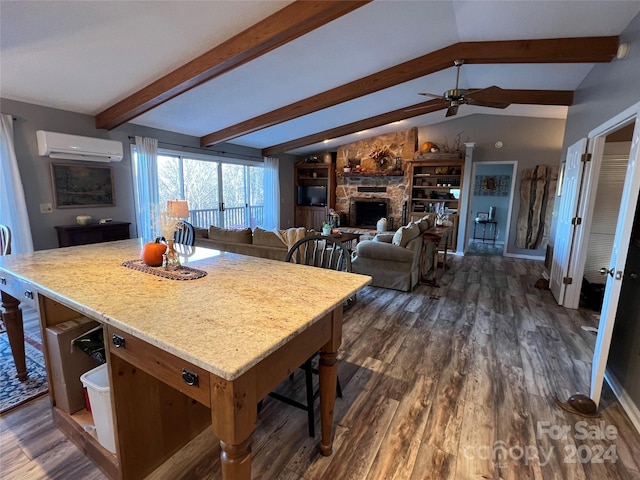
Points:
[[629, 407], [498, 242], [525, 257]]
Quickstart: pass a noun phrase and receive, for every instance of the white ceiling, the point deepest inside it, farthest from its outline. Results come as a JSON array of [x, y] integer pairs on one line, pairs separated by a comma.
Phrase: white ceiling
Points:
[[84, 56]]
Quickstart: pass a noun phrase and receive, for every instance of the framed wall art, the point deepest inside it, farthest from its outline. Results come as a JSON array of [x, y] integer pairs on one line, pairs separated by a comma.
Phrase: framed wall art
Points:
[[492, 185], [82, 185]]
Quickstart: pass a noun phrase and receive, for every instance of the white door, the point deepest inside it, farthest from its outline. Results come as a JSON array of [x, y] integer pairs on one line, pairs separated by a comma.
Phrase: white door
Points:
[[570, 193], [628, 207]]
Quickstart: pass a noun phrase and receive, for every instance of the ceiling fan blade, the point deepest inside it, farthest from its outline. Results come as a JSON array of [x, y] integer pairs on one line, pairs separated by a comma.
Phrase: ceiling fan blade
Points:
[[488, 94], [430, 95], [487, 97], [430, 106], [452, 110], [487, 103]]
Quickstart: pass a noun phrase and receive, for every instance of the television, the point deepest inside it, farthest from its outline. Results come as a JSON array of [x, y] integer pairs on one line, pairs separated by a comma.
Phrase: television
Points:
[[312, 195]]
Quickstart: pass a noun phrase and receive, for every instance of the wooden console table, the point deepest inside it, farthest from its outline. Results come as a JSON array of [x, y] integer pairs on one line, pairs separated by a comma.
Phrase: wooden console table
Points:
[[71, 235], [440, 237], [183, 355]]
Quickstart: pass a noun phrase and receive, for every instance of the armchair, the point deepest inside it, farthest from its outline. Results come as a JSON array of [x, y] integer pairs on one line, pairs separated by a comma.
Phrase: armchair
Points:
[[393, 260]]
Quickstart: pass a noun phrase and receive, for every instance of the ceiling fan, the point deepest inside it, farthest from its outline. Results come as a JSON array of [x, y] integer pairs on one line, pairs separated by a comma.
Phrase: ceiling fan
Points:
[[485, 97]]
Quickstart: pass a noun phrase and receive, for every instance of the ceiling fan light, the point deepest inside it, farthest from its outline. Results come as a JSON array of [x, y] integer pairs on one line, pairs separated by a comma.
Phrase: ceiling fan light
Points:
[[623, 51]]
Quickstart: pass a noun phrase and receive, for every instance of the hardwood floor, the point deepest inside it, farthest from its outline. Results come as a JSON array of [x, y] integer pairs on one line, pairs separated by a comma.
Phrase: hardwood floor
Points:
[[455, 382]]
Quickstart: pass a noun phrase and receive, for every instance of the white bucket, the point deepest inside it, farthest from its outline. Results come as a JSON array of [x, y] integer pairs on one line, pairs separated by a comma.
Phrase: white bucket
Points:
[[97, 383]]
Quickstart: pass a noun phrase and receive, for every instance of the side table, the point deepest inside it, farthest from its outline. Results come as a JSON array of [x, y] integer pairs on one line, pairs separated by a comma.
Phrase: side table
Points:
[[439, 236], [488, 236], [346, 238]]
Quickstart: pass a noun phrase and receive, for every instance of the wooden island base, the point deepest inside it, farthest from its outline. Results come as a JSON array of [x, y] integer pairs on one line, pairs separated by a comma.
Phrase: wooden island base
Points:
[[158, 416]]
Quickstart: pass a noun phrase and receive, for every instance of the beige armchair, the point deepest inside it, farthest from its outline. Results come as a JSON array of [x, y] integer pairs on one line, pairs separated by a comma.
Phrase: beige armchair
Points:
[[394, 260]]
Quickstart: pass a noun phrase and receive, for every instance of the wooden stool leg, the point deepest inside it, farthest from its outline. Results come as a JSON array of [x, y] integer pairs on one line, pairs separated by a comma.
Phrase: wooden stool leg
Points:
[[308, 378]]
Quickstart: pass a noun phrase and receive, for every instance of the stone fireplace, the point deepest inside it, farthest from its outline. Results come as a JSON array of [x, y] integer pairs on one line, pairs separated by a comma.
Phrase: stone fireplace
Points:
[[378, 183]]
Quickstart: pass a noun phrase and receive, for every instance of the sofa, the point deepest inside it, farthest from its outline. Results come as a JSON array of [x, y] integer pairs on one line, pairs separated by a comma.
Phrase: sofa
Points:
[[393, 260], [257, 243]]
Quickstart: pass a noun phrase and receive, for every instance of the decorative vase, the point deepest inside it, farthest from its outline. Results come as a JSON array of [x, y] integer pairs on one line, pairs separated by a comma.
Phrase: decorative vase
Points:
[[172, 260], [83, 219], [326, 230], [381, 225]]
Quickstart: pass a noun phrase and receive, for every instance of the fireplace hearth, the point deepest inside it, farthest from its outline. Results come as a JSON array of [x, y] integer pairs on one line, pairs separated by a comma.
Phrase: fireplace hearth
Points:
[[365, 212]]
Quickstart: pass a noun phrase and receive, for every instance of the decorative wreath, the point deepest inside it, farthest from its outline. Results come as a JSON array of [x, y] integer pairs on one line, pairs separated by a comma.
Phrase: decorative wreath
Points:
[[489, 183]]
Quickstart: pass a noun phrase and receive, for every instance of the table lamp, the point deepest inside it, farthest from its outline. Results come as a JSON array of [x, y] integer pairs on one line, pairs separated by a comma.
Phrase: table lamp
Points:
[[178, 208]]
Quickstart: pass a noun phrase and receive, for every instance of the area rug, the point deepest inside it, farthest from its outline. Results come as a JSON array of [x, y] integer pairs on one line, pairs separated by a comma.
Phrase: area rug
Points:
[[13, 391]]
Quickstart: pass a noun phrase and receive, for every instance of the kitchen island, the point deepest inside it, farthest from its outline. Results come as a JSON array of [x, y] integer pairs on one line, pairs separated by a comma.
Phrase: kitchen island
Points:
[[186, 354]]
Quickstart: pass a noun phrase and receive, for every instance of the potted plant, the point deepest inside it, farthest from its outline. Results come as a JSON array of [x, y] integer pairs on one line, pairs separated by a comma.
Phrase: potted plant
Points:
[[326, 228]]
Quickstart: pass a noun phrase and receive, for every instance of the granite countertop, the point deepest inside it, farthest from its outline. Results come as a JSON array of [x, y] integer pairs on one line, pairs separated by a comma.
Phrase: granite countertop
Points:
[[226, 322]]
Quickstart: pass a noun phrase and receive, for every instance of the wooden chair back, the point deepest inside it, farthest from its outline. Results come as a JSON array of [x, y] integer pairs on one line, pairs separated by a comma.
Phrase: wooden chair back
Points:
[[320, 251], [5, 240], [185, 235]]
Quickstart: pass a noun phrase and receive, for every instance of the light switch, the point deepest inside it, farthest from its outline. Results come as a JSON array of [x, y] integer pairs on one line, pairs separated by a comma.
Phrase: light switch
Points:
[[46, 208]]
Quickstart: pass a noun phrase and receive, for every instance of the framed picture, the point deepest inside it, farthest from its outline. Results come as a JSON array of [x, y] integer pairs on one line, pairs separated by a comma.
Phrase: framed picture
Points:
[[82, 185], [483, 216]]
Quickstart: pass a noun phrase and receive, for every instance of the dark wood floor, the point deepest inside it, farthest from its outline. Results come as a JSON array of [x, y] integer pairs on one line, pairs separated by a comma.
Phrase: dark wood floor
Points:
[[455, 382]]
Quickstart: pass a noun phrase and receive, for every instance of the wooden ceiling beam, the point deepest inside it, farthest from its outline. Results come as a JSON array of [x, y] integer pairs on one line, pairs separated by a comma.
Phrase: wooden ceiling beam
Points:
[[285, 25], [558, 50], [371, 122], [532, 97]]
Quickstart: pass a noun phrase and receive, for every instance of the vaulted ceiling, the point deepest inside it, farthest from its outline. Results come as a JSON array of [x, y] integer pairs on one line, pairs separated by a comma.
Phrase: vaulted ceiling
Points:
[[299, 77]]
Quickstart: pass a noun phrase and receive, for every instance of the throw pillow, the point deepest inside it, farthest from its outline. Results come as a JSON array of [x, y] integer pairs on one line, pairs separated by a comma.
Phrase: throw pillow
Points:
[[425, 223], [405, 234], [230, 235], [266, 238]]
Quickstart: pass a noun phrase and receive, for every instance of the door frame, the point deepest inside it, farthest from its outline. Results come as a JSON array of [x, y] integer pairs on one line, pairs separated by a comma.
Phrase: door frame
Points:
[[507, 230], [621, 246]]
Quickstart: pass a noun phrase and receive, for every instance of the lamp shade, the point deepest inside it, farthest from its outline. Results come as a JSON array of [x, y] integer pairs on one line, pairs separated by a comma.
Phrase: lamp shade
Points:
[[178, 208]]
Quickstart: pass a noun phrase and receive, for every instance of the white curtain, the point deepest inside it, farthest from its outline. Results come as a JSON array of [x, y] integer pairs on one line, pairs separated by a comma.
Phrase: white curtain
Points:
[[13, 207], [145, 185], [271, 193]]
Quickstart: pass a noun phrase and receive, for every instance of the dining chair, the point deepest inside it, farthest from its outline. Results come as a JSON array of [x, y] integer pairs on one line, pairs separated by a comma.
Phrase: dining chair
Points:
[[185, 234], [5, 249], [5, 240], [322, 252]]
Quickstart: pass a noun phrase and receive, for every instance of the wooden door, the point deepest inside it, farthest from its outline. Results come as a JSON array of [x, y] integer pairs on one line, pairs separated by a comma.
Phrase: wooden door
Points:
[[616, 266], [566, 213]]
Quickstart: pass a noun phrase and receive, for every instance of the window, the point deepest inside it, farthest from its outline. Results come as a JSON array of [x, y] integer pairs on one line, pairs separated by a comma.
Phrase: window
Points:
[[221, 192]]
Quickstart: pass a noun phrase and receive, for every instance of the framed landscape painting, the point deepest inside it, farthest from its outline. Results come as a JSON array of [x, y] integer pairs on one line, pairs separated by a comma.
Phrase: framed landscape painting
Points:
[[82, 185]]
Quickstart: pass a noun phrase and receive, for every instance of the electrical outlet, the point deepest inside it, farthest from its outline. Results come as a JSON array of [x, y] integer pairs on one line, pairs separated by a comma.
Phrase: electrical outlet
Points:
[[46, 208]]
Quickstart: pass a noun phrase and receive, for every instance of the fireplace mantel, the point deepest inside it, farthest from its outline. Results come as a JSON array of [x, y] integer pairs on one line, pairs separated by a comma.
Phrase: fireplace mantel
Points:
[[394, 174]]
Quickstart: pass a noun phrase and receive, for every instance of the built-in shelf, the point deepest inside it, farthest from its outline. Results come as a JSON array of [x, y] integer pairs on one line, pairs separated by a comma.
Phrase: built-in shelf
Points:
[[436, 180]]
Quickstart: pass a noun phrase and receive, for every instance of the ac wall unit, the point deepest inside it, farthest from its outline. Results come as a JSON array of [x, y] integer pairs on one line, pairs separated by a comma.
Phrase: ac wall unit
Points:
[[74, 147]]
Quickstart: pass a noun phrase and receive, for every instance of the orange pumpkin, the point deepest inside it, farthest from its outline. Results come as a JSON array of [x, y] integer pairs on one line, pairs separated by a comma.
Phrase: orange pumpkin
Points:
[[426, 147], [152, 253]]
